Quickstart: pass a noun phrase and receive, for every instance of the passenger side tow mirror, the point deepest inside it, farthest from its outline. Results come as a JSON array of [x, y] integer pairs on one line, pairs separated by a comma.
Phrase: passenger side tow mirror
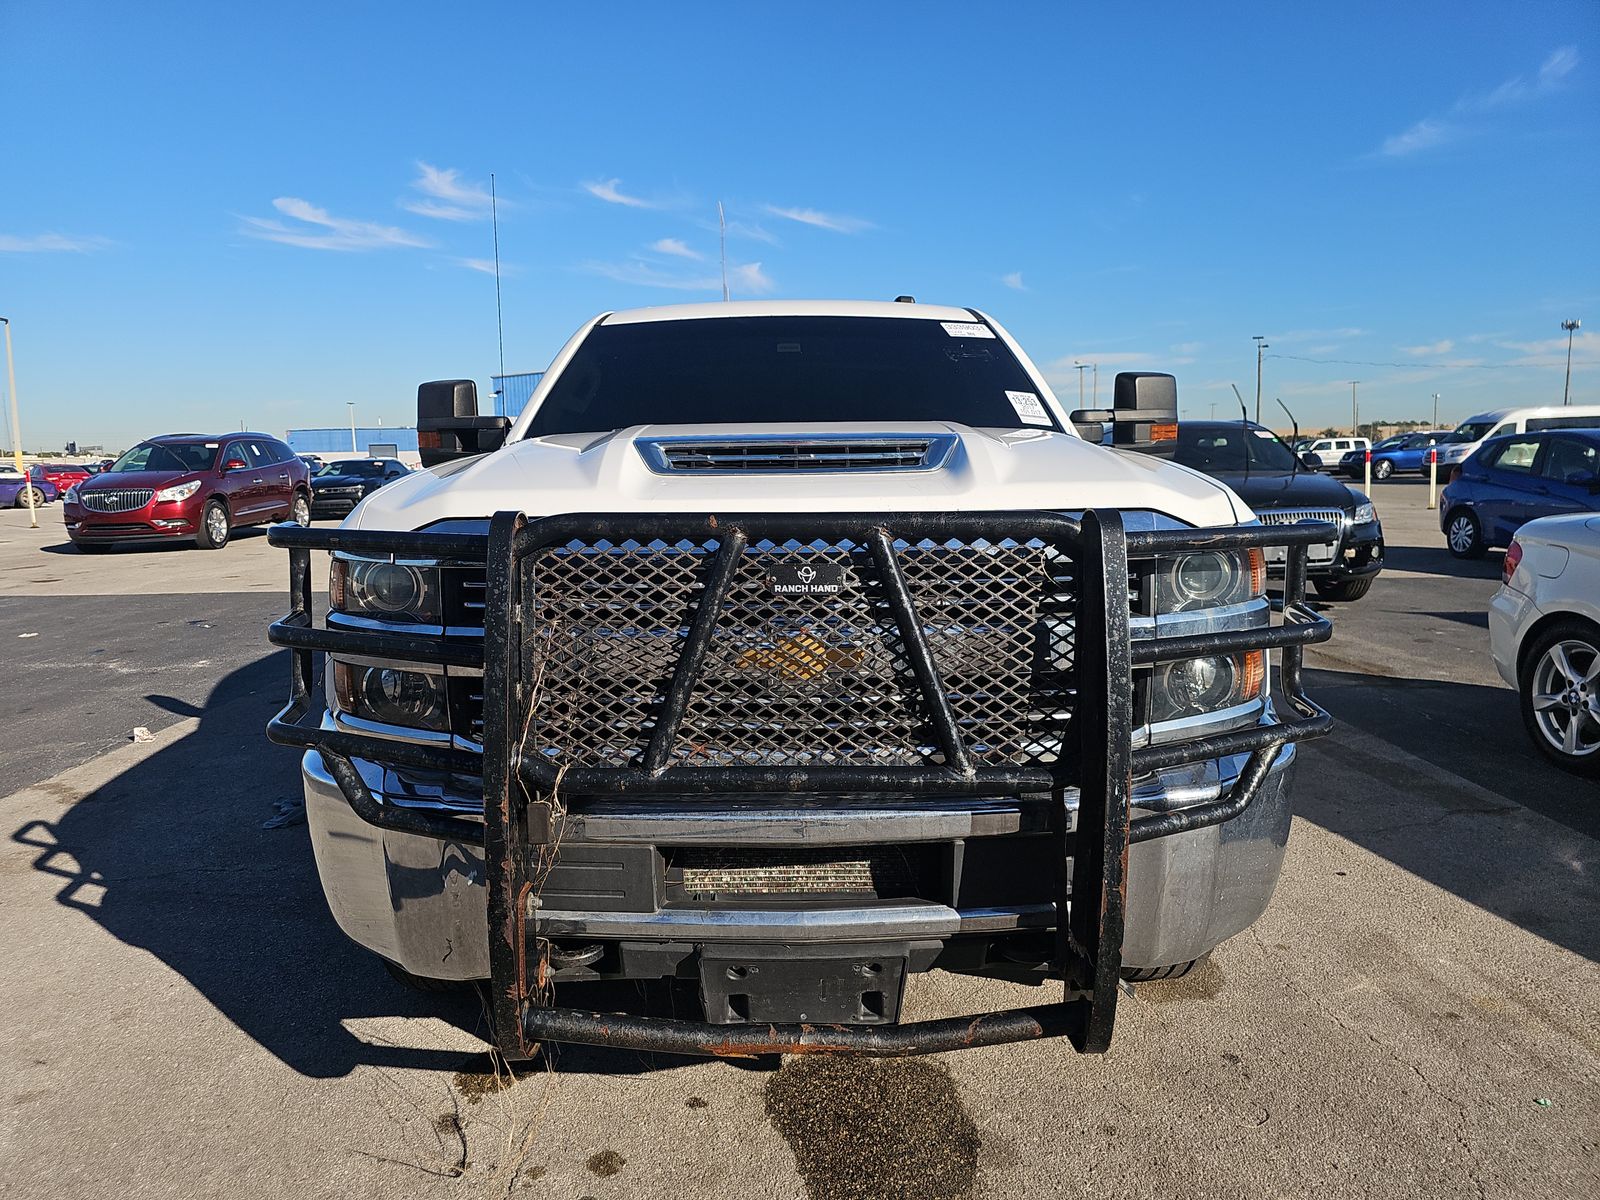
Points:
[[448, 424]]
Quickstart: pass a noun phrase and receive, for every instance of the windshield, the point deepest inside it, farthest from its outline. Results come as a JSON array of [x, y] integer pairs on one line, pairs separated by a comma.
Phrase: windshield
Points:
[[171, 456], [1213, 448], [1471, 431], [352, 466], [751, 370]]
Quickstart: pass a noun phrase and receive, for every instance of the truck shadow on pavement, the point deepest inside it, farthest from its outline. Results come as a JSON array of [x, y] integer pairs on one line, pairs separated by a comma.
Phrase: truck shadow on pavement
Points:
[[171, 857], [1439, 778]]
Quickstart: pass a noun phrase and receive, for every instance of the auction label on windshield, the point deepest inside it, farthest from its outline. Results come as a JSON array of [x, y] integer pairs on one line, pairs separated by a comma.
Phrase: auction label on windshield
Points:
[[967, 329], [1029, 409]]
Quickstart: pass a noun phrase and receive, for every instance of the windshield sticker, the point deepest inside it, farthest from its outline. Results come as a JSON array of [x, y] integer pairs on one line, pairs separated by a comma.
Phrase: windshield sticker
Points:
[[1029, 410], [967, 329], [1266, 433]]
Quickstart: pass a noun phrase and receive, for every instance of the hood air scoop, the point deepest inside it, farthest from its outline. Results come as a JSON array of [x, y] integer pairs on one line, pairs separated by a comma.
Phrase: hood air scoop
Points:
[[778, 454]]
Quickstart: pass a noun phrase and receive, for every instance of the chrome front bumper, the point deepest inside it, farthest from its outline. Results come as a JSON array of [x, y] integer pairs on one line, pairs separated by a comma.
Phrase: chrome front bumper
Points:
[[421, 902]]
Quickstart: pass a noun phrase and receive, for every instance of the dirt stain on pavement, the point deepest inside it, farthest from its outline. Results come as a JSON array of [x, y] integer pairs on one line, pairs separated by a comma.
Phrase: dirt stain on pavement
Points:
[[874, 1129], [1204, 982], [482, 1076], [606, 1163]]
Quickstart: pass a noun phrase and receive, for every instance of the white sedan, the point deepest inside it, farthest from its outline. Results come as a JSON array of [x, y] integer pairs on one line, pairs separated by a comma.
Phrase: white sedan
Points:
[[1544, 632]]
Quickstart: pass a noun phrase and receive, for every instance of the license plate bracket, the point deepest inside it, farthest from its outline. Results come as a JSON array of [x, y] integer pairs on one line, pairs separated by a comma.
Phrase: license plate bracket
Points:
[[1316, 553], [845, 985]]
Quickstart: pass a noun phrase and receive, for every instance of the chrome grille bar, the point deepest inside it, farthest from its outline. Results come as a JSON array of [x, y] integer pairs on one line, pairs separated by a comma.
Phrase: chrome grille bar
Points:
[[116, 500]]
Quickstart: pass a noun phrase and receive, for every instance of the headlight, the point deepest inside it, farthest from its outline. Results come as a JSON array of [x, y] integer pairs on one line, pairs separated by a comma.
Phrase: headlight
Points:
[[388, 591], [1366, 513], [1209, 580], [72, 494], [1193, 686], [392, 696], [181, 491]]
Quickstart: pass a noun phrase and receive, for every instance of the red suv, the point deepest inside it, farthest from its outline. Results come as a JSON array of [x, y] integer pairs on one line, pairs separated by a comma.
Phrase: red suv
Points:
[[189, 486]]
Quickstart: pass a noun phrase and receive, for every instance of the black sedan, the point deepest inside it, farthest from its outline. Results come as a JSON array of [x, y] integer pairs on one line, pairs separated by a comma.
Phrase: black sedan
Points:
[[1282, 490], [344, 483]]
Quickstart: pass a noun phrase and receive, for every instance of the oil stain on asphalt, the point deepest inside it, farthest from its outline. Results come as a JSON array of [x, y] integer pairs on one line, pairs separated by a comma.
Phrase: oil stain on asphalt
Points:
[[874, 1129]]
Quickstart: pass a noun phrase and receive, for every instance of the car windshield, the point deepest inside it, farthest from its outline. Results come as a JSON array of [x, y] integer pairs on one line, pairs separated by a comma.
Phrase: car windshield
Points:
[[1232, 448], [1392, 443], [1471, 431], [352, 466], [744, 370], [167, 456]]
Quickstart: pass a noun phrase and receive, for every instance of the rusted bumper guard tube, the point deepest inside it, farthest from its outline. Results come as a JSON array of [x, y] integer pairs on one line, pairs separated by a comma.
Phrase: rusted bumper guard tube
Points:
[[1098, 759]]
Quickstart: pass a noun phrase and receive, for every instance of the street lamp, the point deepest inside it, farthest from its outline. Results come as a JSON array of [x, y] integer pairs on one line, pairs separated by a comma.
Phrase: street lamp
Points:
[[1261, 344], [1571, 327], [16, 429], [353, 449], [1082, 367], [1435, 411], [1355, 411]]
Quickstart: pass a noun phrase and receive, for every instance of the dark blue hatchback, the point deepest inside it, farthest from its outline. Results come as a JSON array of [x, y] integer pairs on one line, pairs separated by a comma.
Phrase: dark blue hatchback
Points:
[[1512, 480]]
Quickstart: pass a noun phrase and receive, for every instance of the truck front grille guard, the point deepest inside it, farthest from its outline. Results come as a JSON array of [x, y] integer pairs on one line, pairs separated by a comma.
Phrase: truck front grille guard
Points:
[[521, 789]]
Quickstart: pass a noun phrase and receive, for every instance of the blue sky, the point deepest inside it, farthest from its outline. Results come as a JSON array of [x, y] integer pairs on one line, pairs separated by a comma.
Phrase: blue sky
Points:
[[218, 214]]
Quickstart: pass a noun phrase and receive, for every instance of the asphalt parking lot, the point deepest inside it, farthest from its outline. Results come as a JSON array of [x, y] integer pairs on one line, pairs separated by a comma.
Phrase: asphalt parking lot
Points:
[[1417, 1014]]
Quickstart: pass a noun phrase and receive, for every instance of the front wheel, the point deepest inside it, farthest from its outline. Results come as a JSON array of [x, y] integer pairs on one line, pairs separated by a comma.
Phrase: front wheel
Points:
[[1343, 589], [214, 526], [1560, 689], [1382, 469], [1463, 536], [300, 510]]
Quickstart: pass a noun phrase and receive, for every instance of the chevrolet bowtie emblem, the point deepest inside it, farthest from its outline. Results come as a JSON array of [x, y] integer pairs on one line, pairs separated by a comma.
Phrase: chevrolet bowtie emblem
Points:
[[799, 657]]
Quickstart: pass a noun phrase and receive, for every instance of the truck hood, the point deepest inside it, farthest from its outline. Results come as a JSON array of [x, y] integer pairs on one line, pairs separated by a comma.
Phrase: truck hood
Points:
[[988, 470]]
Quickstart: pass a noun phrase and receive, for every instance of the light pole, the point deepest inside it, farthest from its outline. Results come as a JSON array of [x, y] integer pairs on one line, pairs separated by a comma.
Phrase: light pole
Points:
[[1261, 344], [1355, 411], [353, 449], [1082, 367], [1094, 385], [1436, 410], [1571, 327], [16, 429]]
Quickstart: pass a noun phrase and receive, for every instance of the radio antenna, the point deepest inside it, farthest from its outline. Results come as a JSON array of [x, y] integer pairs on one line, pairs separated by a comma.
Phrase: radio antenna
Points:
[[499, 320], [722, 231]]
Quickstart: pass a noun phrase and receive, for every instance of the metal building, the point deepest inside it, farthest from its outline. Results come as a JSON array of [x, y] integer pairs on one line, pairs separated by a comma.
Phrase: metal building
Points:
[[511, 392], [336, 440]]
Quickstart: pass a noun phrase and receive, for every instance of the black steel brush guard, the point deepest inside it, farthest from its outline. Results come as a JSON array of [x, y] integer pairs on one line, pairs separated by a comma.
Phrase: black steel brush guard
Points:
[[521, 792]]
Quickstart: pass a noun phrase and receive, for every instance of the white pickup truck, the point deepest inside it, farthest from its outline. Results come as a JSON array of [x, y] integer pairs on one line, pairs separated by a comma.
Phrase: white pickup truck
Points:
[[786, 650]]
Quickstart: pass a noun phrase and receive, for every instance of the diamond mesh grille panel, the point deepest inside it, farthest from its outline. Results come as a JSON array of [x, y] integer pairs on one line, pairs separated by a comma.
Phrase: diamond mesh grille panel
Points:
[[797, 680]]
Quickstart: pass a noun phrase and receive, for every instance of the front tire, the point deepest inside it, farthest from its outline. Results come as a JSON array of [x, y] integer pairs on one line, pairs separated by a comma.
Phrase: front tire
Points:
[[1463, 535], [1559, 685], [1156, 974], [1343, 589], [215, 526]]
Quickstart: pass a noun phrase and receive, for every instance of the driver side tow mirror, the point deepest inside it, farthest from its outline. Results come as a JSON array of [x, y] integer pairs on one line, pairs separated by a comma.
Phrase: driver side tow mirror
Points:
[[1144, 415], [448, 424]]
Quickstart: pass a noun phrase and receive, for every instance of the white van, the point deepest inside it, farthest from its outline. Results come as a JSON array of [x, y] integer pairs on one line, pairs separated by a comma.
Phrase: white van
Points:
[[1474, 431], [1328, 451]]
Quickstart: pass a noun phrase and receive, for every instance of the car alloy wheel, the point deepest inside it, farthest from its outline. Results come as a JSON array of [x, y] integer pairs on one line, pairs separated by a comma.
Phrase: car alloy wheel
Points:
[[1462, 535], [300, 513], [26, 493], [1566, 698], [1382, 470]]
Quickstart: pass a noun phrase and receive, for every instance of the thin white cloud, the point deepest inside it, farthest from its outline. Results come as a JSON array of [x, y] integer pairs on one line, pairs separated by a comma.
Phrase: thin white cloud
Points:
[[320, 230], [1519, 89], [609, 191], [1424, 135], [1014, 280], [833, 222], [1187, 347], [50, 243], [751, 232], [448, 196], [1430, 349], [486, 265], [1316, 335], [677, 248], [743, 278]]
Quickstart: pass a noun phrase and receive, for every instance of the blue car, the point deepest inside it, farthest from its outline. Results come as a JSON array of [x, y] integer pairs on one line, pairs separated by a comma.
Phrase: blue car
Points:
[[13, 489], [1510, 481], [1405, 452]]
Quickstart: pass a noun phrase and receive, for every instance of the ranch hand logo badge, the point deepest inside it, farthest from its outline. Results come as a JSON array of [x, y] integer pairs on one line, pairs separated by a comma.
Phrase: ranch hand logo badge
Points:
[[807, 579]]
